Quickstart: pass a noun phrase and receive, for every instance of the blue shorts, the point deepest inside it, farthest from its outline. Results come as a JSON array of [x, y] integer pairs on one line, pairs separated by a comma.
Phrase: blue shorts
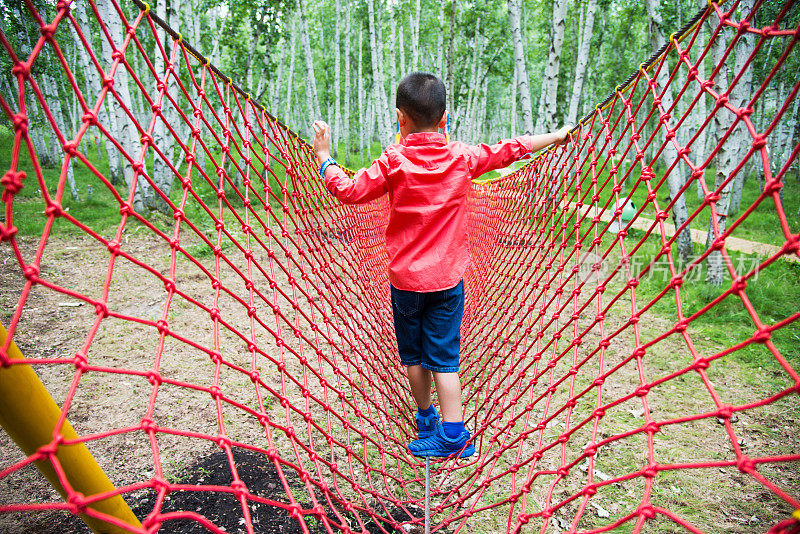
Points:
[[428, 327]]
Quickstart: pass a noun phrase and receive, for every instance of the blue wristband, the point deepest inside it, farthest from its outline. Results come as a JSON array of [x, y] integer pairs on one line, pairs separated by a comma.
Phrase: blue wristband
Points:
[[324, 166]]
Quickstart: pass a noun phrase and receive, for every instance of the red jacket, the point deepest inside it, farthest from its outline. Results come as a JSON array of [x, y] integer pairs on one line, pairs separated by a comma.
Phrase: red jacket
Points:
[[428, 181]]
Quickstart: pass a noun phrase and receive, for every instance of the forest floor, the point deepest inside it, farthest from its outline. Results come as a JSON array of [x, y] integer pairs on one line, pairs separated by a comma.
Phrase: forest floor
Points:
[[54, 326]]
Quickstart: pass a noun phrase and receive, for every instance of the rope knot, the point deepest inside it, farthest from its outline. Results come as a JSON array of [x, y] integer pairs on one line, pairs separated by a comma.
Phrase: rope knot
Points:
[[20, 122], [148, 425], [31, 273], [647, 511], [12, 181], [652, 427], [77, 503], [71, 148], [746, 465], [762, 335], [739, 284], [21, 69], [154, 378], [48, 31], [80, 362], [7, 233], [53, 210], [725, 411], [101, 309]]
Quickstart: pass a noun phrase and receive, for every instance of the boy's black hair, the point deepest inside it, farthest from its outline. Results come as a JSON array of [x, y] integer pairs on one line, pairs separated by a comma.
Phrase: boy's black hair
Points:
[[423, 98]]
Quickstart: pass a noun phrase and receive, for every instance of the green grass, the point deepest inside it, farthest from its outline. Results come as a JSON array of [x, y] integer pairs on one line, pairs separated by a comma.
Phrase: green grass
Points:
[[772, 292], [762, 225]]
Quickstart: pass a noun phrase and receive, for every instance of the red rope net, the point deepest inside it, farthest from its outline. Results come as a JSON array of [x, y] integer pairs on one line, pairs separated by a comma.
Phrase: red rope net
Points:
[[254, 317]]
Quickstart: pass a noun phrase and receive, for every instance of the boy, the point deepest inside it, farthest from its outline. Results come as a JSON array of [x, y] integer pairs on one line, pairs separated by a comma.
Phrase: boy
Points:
[[427, 180]]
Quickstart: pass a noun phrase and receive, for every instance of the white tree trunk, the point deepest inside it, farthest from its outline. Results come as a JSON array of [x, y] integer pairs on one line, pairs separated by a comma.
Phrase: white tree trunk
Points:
[[789, 144], [548, 101], [675, 179], [482, 114], [346, 131], [415, 37], [451, 101], [700, 115], [582, 62], [513, 98], [514, 20], [192, 22], [392, 46], [215, 52], [723, 165], [361, 114], [11, 94], [440, 41], [86, 66], [337, 81], [740, 97], [53, 100], [126, 132], [275, 86], [162, 174], [289, 83], [474, 90], [402, 65], [376, 49], [311, 80]]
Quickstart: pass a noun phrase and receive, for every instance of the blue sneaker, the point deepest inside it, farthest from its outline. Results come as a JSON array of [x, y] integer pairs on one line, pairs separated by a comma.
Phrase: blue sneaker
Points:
[[426, 424], [439, 445]]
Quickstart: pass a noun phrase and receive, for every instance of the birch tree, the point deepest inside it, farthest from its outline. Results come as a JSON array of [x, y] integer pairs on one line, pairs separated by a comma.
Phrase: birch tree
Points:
[[361, 115], [675, 179], [699, 116], [127, 134], [162, 137], [513, 104], [440, 40], [290, 84], [723, 165], [392, 46], [375, 47], [740, 97], [514, 20], [548, 101], [582, 61], [53, 99], [451, 58], [415, 36], [311, 83], [337, 117], [346, 131]]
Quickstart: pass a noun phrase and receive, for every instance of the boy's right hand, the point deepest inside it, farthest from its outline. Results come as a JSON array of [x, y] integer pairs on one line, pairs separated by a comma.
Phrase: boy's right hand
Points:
[[562, 135], [322, 140]]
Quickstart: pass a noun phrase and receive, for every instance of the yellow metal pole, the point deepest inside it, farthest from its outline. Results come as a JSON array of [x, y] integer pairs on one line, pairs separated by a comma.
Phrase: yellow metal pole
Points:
[[29, 414]]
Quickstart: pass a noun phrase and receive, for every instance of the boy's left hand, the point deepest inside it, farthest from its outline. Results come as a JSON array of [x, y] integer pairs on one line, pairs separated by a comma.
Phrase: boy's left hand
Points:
[[322, 140]]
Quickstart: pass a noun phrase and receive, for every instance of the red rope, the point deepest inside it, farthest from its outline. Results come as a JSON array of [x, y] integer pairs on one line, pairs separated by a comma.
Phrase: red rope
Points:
[[559, 337]]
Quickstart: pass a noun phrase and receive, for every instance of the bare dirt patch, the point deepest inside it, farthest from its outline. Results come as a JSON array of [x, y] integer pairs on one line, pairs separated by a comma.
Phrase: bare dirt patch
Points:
[[316, 376]]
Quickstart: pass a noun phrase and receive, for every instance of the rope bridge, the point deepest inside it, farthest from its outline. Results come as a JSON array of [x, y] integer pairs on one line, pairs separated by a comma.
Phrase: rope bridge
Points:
[[242, 309]]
